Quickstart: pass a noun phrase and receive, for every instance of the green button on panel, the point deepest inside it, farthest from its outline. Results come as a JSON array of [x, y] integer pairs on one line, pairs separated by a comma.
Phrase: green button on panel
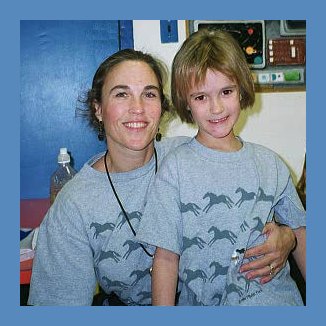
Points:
[[293, 75]]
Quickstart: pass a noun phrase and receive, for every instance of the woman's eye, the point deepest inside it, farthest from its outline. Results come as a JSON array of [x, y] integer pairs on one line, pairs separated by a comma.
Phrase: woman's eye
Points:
[[121, 94], [150, 95]]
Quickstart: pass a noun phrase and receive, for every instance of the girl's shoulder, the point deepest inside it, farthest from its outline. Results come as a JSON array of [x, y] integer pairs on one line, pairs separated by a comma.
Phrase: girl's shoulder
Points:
[[169, 144]]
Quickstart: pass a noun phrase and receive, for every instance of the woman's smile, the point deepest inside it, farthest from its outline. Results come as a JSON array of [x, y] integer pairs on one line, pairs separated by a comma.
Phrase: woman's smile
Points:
[[136, 124]]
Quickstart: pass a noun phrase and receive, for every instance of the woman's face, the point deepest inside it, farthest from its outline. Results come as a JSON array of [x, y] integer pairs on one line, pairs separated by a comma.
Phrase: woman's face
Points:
[[130, 107]]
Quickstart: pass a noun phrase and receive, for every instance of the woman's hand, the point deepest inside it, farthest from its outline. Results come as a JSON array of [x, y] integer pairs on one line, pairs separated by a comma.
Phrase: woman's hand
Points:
[[275, 250]]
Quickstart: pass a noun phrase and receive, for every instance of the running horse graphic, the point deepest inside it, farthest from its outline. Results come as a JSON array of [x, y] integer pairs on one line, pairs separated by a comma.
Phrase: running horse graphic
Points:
[[109, 255], [261, 196], [192, 275], [245, 196], [133, 215], [110, 284], [219, 270], [215, 200], [190, 207], [139, 275], [218, 234], [132, 246], [99, 228], [195, 241]]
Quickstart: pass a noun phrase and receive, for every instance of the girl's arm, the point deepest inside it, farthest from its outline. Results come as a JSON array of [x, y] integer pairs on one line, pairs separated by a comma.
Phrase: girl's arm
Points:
[[164, 277], [299, 253]]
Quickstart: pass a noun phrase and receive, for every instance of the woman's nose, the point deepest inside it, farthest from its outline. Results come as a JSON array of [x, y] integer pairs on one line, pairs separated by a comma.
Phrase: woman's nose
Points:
[[136, 105]]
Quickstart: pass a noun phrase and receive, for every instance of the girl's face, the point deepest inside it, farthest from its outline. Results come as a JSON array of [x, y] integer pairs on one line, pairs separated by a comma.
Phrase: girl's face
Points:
[[215, 107], [131, 106]]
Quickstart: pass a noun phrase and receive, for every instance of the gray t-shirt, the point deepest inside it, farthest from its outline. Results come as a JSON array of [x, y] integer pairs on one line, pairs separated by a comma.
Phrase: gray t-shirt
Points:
[[84, 238], [209, 206]]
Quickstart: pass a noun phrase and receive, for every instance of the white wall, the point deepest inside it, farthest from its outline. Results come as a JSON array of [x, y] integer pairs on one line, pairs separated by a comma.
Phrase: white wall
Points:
[[278, 120]]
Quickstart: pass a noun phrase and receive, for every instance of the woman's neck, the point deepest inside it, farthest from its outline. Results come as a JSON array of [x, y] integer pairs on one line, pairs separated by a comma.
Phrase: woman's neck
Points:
[[125, 160]]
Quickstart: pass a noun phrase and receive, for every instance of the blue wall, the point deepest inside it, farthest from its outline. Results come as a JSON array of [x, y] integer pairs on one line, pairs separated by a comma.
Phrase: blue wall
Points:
[[58, 61]]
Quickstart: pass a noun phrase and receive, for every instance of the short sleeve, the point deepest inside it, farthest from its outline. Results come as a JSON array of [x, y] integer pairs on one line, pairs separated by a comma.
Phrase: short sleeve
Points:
[[288, 209], [63, 269], [161, 224]]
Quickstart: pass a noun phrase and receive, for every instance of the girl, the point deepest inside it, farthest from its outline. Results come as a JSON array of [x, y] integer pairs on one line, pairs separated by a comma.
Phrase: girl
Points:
[[214, 194]]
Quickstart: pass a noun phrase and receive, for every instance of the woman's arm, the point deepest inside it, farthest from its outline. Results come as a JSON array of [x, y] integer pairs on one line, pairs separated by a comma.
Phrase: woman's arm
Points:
[[281, 240], [164, 277], [63, 267]]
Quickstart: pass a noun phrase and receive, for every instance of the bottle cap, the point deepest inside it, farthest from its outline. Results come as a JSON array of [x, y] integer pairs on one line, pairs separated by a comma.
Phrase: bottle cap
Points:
[[63, 156]]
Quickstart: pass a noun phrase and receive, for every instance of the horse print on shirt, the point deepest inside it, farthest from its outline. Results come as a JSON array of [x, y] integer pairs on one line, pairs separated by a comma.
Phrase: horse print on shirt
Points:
[[132, 246], [100, 228], [193, 275], [219, 270], [190, 207], [195, 241], [218, 234], [245, 196], [109, 254], [261, 196], [201, 215], [216, 200], [133, 215], [139, 275]]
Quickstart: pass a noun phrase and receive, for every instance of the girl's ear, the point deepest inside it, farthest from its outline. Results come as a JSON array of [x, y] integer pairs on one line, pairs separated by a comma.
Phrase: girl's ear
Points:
[[98, 111]]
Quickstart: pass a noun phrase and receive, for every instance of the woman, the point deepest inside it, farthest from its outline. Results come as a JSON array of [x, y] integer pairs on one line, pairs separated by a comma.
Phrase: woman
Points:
[[88, 234]]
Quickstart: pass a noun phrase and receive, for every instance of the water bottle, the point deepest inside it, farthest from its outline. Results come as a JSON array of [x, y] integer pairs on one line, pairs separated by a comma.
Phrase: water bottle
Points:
[[62, 175]]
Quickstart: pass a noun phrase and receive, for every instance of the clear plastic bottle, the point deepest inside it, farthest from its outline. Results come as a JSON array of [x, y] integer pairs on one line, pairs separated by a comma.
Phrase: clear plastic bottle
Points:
[[62, 175]]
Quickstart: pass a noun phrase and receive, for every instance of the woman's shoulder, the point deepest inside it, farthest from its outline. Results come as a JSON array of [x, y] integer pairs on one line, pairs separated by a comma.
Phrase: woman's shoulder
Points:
[[86, 178]]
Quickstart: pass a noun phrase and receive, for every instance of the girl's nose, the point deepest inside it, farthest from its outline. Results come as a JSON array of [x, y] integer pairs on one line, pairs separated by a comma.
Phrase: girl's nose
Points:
[[216, 106]]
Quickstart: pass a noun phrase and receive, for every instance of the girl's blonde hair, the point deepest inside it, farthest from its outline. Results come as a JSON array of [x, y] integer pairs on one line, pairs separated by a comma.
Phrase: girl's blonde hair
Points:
[[203, 50]]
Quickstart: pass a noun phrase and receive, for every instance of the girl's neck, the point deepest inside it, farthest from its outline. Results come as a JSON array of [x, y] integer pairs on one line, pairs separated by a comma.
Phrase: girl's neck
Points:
[[230, 143]]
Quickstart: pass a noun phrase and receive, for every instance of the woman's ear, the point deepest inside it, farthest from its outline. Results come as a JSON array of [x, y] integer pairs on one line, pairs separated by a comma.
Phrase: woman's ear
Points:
[[98, 111]]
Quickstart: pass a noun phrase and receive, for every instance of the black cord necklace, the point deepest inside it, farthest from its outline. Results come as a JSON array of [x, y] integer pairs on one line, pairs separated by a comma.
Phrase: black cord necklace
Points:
[[119, 201]]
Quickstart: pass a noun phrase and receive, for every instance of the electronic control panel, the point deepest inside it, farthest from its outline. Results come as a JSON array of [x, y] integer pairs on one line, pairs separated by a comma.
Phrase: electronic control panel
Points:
[[275, 49]]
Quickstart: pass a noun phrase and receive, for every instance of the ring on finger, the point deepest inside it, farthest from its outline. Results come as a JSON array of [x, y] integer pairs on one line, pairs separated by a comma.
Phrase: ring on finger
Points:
[[271, 269]]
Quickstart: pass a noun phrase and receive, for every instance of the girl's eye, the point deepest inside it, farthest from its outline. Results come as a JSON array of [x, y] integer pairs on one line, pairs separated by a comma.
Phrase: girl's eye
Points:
[[200, 98], [227, 92]]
